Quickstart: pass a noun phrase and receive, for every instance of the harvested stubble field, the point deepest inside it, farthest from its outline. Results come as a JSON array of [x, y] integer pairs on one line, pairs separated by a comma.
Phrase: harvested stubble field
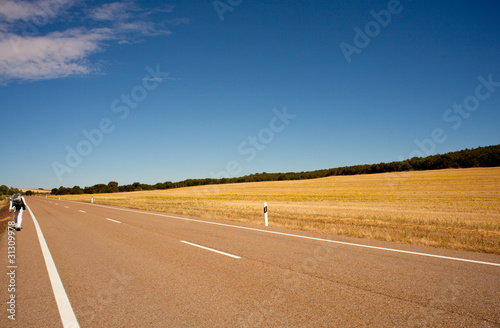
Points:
[[452, 208]]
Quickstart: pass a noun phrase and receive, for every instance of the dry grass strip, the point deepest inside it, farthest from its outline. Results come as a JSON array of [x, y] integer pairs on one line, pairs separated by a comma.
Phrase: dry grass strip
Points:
[[452, 208]]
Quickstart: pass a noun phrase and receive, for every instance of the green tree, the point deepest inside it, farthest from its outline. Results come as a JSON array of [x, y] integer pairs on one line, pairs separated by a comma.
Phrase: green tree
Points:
[[113, 186], [4, 190], [76, 190]]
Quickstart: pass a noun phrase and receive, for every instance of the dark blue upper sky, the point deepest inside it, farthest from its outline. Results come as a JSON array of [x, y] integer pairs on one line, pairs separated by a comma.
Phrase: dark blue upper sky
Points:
[[94, 91]]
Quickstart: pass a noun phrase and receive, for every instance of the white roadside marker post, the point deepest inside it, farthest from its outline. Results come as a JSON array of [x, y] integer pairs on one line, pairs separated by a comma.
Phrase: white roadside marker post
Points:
[[265, 214], [92, 199]]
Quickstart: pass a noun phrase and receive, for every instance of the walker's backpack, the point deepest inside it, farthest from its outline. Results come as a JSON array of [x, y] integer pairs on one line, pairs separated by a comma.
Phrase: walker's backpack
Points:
[[17, 201]]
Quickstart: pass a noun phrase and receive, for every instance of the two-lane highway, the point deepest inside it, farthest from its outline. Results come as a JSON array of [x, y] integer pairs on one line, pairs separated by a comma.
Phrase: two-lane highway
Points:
[[132, 268]]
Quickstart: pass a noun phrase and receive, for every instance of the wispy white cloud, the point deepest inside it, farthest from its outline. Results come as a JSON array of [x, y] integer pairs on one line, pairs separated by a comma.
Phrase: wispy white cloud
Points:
[[35, 56], [113, 11], [13, 10], [159, 79], [143, 28], [59, 54], [179, 21]]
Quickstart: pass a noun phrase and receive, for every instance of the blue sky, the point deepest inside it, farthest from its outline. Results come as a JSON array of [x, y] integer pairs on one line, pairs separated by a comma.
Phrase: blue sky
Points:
[[154, 91]]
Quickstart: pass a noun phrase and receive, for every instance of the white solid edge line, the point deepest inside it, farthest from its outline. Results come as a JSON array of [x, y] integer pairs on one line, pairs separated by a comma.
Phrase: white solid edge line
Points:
[[112, 220], [303, 237], [68, 317], [211, 249]]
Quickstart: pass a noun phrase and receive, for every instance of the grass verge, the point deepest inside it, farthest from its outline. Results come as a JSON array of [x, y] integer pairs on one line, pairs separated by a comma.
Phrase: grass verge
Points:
[[452, 208], [5, 216]]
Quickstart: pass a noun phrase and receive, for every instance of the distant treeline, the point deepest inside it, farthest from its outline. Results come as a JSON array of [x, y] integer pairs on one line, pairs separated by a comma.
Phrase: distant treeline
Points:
[[6, 191], [478, 157]]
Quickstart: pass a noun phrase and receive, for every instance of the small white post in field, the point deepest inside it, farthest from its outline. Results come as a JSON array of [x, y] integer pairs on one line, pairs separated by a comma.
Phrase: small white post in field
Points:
[[265, 214], [92, 199]]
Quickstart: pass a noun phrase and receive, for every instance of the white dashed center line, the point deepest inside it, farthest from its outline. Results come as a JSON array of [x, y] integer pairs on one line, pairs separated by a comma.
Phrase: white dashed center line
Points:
[[211, 249]]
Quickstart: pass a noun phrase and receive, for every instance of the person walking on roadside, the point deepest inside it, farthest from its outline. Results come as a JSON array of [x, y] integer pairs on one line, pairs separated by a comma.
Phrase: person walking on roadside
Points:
[[18, 204]]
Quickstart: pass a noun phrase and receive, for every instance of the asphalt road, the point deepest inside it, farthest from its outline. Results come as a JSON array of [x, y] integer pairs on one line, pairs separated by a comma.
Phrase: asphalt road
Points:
[[125, 268]]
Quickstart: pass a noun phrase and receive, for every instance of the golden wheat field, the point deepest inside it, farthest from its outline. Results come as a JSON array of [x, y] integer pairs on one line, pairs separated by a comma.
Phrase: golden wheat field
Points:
[[452, 208]]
